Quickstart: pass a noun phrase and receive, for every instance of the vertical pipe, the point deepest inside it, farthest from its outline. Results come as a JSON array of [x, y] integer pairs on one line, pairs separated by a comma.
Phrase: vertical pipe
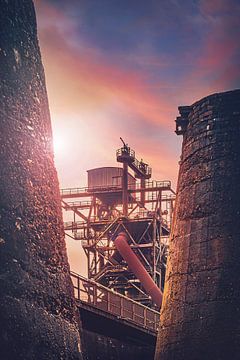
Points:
[[142, 195], [94, 206], [200, 312], [154, 246], [37, 310], [156, 240], [125, 189]]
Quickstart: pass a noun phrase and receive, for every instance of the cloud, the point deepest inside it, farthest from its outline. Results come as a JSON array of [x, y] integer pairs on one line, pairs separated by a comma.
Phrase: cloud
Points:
[[134, 93], [94, 101], [123, 71], [91, 79], [217, 66]]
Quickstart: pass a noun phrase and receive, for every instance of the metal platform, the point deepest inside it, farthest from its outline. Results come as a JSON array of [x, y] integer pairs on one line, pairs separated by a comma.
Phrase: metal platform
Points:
[[95, 297], [115, 201]]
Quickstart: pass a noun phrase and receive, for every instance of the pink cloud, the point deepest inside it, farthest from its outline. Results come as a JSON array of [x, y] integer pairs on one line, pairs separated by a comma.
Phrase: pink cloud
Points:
[[213, 7], [90, 98], [217, 68], [89, 77], [93, 102]]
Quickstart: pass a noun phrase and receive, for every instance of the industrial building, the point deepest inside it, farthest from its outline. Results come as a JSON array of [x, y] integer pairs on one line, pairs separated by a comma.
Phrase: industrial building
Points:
[[122, 200], [122, 221]]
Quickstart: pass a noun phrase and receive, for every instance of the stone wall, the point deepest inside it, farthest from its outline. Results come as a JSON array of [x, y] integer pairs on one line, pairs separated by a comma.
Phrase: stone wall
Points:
[[200, 317], [37, 312]]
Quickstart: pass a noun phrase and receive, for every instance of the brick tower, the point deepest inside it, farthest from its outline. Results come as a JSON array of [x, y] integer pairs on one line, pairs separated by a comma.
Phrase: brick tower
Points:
[[200, 317]]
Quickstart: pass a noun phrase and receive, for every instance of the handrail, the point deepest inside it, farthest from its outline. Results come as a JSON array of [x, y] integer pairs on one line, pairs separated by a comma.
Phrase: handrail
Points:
[[103, 188], [77, 204], [144, 168], [75, 191], [141, 215], [125, 151], [107, 300], [74, 225]]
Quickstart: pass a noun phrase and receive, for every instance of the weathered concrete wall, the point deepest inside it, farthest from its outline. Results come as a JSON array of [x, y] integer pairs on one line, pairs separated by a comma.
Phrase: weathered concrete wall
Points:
[[200, 318], [37, 312]]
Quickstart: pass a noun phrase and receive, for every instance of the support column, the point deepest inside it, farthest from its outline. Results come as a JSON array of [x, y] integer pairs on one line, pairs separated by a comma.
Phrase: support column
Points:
[[142, 196], [125, 189]]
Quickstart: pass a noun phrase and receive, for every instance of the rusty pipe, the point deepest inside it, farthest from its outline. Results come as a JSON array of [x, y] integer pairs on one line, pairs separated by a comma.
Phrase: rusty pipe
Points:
[[137, 268]]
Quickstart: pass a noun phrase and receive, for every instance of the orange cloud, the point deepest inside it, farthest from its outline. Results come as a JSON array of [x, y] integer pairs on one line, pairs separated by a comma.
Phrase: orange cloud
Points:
[[93, 102], [89, 78]]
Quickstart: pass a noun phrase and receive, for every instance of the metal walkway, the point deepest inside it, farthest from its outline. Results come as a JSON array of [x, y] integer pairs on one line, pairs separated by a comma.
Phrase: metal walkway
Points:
[[101, 298], [150, 186]]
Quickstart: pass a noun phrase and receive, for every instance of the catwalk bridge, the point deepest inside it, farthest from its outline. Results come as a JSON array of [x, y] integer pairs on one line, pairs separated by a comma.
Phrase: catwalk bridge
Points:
[[105, 302], [113, 322], [122, 220]]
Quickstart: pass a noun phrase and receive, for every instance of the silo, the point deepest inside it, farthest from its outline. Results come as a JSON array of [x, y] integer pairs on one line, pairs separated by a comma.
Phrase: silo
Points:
[[200, 316], [109, 176]]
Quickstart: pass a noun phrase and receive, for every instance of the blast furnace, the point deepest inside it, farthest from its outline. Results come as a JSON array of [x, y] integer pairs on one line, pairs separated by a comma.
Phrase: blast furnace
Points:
[[201, 304]]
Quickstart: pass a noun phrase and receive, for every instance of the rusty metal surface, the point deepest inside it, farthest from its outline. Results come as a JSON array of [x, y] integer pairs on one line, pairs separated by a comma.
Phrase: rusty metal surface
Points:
[[107, 177], [121, 243]]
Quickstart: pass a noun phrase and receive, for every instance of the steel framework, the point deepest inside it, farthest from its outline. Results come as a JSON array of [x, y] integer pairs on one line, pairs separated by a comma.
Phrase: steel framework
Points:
[[143, 210]]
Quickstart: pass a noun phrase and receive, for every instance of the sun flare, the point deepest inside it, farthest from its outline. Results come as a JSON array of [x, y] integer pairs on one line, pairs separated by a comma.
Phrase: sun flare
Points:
[[59, 145]]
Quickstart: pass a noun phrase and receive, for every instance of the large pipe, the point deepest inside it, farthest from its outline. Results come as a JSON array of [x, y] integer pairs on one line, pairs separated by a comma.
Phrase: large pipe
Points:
[[137, 268]]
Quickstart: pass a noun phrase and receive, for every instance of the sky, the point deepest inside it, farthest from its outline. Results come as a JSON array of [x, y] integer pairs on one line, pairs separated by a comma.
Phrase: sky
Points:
[[122, 67]]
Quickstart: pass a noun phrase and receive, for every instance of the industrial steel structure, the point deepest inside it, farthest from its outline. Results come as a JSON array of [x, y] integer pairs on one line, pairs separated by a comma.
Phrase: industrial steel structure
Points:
[[93, 295], [114, 202]]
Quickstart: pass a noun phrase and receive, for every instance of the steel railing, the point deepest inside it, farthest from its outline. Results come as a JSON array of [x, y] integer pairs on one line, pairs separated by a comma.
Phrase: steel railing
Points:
[[100, 297], [125, 151], [76, 204], [88, 190], [155, 184], [144, 168]]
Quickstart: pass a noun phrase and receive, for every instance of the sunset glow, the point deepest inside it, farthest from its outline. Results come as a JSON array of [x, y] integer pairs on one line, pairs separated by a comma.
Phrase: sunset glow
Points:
[[122, 68], [59, 145]]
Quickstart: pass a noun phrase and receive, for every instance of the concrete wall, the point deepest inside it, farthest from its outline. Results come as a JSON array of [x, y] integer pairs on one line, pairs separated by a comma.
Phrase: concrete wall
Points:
[[37, 311], [200, 317]]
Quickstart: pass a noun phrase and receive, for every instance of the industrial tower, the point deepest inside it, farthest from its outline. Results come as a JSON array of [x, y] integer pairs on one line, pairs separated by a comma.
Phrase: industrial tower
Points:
[[122, 200]]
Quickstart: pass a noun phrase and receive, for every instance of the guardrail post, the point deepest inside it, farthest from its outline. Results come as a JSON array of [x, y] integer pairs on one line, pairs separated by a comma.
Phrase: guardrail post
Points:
[[95, 294], [108, 302], [121, 306], [78, 288], [156, 322], [145, 317], [133, 308]]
